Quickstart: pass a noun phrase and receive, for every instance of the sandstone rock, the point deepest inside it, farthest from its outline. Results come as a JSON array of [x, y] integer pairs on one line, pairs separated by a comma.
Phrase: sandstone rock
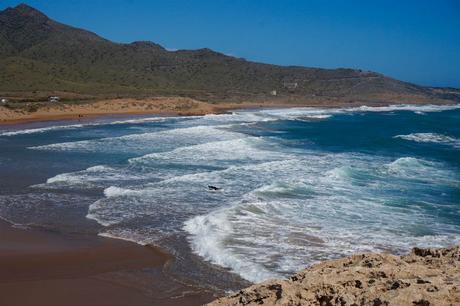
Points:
[[425, 277]]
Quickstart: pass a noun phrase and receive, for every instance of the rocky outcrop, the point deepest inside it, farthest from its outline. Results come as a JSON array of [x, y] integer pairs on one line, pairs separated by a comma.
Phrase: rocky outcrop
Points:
[[424, 277]]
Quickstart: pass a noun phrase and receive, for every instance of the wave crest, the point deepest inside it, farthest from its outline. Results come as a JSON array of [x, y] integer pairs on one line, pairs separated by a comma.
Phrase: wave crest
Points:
[[430, 138]]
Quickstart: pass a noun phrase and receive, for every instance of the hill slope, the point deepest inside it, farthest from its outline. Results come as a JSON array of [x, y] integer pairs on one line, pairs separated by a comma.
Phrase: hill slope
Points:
[[39, 54]]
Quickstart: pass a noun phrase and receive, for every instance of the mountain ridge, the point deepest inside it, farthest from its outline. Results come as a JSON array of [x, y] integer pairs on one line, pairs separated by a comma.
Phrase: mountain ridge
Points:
[[38, 54]]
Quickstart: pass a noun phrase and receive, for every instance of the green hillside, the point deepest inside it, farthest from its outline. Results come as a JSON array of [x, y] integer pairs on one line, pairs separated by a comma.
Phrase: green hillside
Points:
[[38, 54]]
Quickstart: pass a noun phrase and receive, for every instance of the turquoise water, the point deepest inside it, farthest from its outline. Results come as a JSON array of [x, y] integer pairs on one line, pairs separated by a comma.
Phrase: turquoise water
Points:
[[297, 185]]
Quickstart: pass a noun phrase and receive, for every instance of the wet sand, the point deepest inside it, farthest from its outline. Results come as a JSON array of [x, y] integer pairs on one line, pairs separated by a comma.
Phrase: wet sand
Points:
[[45, 268]]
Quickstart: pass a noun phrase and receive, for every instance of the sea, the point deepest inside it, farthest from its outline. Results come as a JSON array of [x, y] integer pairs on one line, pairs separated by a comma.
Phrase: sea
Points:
[[292, 186]]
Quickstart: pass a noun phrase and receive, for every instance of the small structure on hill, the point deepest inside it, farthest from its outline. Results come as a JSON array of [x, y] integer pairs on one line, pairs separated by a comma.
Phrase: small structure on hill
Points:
[[3, 101], [54, 99], [273, 93], [290, 85]]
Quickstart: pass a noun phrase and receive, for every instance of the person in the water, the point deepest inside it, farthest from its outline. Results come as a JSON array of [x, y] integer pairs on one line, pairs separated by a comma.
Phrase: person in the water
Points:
[[210, 187]]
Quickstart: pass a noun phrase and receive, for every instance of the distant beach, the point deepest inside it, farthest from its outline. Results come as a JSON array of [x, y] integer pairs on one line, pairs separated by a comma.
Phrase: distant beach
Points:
[[164, 106], [155, 106]]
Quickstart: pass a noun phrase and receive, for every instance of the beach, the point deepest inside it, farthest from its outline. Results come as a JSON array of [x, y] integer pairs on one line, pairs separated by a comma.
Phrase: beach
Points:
[[150, 156], [70, 187], [40, 267], [21, 112], [169, 106]]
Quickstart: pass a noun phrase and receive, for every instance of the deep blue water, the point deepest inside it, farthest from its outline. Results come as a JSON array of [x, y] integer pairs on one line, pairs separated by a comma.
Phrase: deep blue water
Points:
[[297, 185]]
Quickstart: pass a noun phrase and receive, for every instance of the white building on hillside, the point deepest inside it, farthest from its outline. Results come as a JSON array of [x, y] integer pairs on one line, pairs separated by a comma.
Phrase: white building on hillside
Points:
[[290, 85]]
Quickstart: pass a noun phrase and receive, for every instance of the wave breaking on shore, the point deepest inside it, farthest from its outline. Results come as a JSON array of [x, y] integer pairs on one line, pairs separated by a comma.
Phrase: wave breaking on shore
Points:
[[306, 182]]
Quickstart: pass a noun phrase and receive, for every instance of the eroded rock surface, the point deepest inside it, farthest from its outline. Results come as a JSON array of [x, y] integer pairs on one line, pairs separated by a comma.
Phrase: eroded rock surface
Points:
[[425, 277]]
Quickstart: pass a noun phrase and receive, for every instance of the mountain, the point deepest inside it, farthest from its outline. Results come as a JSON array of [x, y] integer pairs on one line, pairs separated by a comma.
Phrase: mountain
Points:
[[38, 54]]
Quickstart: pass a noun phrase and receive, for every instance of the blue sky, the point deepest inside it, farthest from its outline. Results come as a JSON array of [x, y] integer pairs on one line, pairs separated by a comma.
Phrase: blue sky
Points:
[[416, 41]]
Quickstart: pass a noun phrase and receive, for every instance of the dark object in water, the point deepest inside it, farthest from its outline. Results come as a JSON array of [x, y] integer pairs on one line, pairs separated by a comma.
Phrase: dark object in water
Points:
[[210, 187]]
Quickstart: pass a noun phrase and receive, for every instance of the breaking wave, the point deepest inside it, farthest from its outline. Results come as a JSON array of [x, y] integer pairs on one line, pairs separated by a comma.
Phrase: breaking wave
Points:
[[145, 141], [41, 130], [82, 125], [301, 113], [430, 138], [284, 199]]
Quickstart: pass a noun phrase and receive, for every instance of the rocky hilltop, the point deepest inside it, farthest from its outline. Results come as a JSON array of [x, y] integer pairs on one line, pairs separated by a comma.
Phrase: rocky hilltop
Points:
[[424, 277], [39, 56]]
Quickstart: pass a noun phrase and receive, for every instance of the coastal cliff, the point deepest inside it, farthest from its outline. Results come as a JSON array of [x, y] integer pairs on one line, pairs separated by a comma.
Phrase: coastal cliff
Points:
[[422, 278]]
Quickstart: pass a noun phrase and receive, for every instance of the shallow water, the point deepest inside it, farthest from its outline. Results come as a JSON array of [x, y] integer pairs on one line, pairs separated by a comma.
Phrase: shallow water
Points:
[[297, 185]]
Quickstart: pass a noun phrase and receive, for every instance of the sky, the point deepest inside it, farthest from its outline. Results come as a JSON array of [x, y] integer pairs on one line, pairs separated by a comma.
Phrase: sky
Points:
[[415, 41]]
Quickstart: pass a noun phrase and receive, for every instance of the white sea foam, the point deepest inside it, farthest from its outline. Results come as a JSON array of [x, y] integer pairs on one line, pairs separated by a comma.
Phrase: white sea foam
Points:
[[252, 116], [161, 140], [283, 204], [41, 130], [209, 241], [279, 209], [302, 232], [301, 113], [280, 224], [430, 137], [113, 191], [426, 108], [239, 117], [420, 171], [127, 236], [319, 116], [408, 163], [99, 176], [324, 113], [219, 154], [101, 219], [216, 153], [411, 167], [142, 120], [98, 173], [82, 125], [185, 194]]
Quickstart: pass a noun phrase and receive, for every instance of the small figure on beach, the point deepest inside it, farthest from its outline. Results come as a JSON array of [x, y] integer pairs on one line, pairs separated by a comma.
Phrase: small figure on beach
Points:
[[213, 188]]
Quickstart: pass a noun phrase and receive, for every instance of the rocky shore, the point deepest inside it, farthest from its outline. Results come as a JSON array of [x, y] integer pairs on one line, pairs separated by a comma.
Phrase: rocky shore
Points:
[[422, 278]]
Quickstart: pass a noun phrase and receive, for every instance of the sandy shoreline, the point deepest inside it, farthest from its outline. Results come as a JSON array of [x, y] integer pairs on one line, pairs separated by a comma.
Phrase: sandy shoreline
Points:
[[168, 106], [46, 268], [163, 106], [155, 106]]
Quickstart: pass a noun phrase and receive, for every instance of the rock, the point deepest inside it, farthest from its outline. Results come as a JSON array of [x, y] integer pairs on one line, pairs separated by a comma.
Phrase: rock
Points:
[[425, 277]]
